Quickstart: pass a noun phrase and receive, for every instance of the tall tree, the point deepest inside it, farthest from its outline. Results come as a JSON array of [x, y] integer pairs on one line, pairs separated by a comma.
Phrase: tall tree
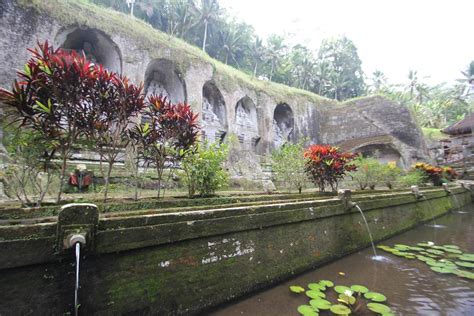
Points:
[[344, 67]]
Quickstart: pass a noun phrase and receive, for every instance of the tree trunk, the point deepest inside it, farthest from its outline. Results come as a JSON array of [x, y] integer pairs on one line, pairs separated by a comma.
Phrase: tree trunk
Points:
[[62, 177], [107, 179], [205, 36], [255, 69]]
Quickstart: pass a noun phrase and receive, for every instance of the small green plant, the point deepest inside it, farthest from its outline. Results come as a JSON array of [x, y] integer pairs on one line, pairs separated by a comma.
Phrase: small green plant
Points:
[[412, 177], [354, 299], [288, 165], [368, 172], [203, 169]]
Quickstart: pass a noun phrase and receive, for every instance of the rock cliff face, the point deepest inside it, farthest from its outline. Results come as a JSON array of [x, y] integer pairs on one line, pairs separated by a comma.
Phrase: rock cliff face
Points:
[[262, 115]]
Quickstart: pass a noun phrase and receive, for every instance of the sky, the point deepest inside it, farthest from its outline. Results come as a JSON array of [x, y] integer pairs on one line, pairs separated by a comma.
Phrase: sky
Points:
[[434, 37]]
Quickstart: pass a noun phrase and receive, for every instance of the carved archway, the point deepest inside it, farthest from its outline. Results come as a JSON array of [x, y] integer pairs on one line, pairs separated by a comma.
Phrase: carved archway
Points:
[[214, 116], [383, 152], [246, 123], [283, 124], [97, 46], [163, 77]]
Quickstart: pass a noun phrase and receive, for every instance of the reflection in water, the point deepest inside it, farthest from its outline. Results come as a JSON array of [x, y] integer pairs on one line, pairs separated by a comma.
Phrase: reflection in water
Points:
[[411, 286]]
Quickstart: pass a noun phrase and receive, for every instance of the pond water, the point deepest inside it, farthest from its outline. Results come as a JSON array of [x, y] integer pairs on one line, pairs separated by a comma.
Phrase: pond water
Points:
[[411, 287]]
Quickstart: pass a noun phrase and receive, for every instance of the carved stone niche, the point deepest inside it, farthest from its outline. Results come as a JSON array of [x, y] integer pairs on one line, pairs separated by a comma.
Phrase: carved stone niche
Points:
[[163, 77], [246, 124], [97, 46], [283, 125], [214, 116]]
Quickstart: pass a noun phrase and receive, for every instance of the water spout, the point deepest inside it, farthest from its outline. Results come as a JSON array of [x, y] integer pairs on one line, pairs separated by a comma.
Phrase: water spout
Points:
[[76, 288], [75, 241], [368, 230], [416, 191], [446, 188]]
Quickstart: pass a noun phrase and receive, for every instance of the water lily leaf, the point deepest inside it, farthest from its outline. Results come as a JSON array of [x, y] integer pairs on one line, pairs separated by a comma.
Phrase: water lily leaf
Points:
[[388, 314], [401, 247], [307, 310], [374, 296], [417, 249], [359, 289], [340, 309], [438, 247], [423, 258], [443, 269], [465, 274], [315, 294], [409, 257], [341, 289], [435, 251], [466, 257], [347, 299], [296, 289], [379, 308], [320, 304], [451, 246], [316, 286], [456, 251], [465, 264], [326, 283], [425, 245]]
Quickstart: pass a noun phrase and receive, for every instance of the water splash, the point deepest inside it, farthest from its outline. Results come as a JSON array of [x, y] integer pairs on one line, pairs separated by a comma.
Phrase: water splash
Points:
[[76, 289], [368, 230]]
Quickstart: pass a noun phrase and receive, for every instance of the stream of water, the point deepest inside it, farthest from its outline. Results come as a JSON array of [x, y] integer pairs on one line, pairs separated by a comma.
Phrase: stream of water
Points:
[[76, 288], [411, 286]]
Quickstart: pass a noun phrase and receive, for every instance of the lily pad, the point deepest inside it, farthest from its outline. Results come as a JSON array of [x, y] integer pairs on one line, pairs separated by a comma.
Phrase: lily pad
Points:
[[425, 245], [435, 252], [341, 289], [451, 246], [359, 289], [307, 310], [374, 296], [443, 269], [326, 283], [465, 264], [316, 286], [346, 299], [296, 289], [455, 251], [401, 247], [315, 294], [467, 257], [465, 274], [379, 308], [320, 304], [340, 309]]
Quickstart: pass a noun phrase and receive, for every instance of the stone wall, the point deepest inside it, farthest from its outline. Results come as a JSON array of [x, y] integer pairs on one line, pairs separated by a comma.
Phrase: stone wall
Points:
[[184, 263], [262, 115]]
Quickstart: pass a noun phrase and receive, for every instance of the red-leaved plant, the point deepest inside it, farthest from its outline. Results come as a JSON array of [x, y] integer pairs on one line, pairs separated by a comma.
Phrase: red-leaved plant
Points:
[[326, 165], [166, 134], [64, 97]]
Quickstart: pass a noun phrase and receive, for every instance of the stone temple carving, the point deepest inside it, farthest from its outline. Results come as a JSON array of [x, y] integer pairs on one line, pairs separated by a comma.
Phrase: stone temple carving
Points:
[[283, 125], [246, 124], [157, 89], [214, 127]]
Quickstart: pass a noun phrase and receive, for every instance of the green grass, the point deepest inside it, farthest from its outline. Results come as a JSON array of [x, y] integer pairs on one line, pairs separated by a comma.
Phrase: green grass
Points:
[[433, 134], [159, 44]]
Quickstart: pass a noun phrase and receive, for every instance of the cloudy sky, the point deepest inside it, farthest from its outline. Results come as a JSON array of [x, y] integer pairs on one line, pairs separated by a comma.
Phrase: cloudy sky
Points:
[[434, 37]]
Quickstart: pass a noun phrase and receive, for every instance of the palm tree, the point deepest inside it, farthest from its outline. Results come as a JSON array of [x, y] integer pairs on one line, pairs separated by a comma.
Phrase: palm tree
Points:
[[257, 53], [378, 80], [208, 11]]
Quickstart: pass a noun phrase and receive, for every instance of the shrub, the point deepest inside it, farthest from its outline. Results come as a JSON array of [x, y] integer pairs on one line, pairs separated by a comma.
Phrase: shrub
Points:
[[288, 164], [389, 174], [413, 177], [326, 165], [450, 174], [368, 172], [203, 169], [432, 173]]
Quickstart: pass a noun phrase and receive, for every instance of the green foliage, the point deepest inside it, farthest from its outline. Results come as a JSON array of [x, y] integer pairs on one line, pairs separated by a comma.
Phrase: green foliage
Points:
[[349, 300], [288, 164], [412, 177], [326, 165], [30, 172], [203, 169], [368, 173], [446, 259]]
